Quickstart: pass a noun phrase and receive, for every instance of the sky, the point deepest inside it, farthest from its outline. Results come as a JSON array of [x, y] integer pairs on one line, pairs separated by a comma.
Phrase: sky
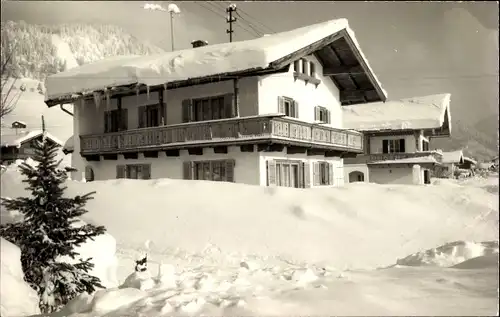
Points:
[[415, 48]]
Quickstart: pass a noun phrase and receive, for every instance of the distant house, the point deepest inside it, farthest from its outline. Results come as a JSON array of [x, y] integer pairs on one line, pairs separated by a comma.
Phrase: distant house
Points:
[[18, 144], [495, 161], [397, 136], [264, 112], [468, 164], [450, 163]]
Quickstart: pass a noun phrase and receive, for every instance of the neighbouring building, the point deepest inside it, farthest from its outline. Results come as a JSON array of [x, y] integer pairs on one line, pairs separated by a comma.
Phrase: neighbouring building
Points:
[[396, 139], [17, 142], [495, 161], [450, 164], [468, 163], [267, 111]]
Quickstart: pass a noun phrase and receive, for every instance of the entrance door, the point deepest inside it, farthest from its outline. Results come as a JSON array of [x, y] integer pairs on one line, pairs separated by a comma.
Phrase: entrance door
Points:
[[427, 177]]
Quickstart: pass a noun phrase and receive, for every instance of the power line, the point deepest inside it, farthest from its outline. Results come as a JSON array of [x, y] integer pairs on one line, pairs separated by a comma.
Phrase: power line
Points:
[[210, 8], [248, 23], [253, 21]]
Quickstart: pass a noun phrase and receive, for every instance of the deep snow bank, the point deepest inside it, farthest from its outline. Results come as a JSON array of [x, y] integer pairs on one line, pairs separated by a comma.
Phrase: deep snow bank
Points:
[[361, 225], [17, 297], [452, 254]]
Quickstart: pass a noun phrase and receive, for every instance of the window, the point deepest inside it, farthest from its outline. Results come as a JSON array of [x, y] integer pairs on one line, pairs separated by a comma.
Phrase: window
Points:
[[322, 114], [288, 106], [149, 116], [393, 146], [297, 66], [217, 170], [115, 120], [425, 145], [209, 108], [287, 173], [312, 69], [134, 171]]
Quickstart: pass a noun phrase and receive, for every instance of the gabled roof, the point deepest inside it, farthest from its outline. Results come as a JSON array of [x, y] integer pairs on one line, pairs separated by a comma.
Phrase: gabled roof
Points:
[[273, 52], [425, 112], [456, 157], [470, 160], [9, 138]]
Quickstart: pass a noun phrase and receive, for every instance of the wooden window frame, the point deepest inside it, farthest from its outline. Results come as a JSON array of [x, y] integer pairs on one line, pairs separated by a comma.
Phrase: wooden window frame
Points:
[[276, 172], [146, 118], [425, 146], [394, 146], [205, 109], [320, 112], [224, 166], [115, 120], [125, 171], [305, 70], [288, 106]]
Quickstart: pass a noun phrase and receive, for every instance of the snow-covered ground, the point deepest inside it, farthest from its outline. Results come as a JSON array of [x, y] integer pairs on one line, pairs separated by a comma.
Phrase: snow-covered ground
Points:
[[231, 249]]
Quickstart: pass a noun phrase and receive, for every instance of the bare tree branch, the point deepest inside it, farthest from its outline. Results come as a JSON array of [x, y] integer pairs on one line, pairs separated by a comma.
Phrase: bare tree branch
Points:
[[8, 96]]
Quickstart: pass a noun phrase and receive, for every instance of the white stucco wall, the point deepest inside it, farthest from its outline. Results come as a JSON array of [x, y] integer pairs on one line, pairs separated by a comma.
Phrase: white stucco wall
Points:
[[338, 165], [308, 95], [391, 175], [76, 159], [363, 168], [376, 144], [245, 169]]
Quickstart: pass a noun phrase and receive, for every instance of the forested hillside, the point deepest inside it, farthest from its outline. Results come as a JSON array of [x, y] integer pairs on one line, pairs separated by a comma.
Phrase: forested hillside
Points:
[[35, 55]]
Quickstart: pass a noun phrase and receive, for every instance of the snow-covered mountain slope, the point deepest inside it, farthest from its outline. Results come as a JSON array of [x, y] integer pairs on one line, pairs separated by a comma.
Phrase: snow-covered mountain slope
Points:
[[40, 51]]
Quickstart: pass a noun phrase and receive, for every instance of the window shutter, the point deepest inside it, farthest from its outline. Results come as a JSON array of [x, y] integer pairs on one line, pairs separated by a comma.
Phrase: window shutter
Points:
[[317, 114], [230, 170], [271, 173], [187, 170], [106, 121], [146, 171], [385, 146], [328, 117], [229, 106], [120, 171], [186, 110], [141, 117], [331, 174], [316, 176], [281, 104], [307, 175], [296, 109], [402, 145], [124, 120], [301, 175]]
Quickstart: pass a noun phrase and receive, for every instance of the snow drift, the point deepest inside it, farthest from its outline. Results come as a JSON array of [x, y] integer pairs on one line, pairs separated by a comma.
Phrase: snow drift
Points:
[[18, 298]]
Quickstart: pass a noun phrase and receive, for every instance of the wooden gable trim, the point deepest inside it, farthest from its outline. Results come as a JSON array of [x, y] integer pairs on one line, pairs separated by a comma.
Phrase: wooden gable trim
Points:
[[364, 65]]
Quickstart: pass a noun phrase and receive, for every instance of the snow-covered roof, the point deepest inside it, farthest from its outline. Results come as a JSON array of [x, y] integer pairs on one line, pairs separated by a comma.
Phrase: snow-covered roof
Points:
[[69, 146], [10, 138], [473, 161], [224, 59], [410, 160], [453, 157], [425, 112]]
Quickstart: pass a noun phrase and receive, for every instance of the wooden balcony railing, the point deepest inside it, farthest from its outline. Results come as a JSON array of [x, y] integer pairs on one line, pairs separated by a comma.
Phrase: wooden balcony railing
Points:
[[370, 158], [225, 131]]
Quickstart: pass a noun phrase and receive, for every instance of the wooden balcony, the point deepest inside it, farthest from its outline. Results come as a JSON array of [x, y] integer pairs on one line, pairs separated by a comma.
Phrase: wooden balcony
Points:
[[234, 131], [370, 158]]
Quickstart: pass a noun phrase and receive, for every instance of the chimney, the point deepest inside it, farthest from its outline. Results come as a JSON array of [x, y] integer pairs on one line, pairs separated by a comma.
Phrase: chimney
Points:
[[199, 43]]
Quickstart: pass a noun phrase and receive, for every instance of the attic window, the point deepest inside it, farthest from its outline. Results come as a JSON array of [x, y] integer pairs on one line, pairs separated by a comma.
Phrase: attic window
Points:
[[306, 71]]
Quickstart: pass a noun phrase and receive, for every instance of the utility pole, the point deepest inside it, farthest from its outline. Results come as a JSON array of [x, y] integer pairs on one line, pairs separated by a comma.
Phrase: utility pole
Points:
[[230, 20], [172, 28]]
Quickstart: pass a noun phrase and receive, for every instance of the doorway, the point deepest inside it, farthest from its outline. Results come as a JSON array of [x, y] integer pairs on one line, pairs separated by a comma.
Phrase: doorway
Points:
[[427, 177]]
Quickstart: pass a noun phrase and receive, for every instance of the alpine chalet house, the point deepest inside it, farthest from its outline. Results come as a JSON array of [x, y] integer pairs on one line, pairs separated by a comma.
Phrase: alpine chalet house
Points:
[[265, 111], [397, 136], [17, 142]]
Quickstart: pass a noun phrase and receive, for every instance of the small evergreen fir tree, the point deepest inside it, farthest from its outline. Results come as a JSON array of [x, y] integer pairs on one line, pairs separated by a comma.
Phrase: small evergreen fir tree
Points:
[[48, 231]]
